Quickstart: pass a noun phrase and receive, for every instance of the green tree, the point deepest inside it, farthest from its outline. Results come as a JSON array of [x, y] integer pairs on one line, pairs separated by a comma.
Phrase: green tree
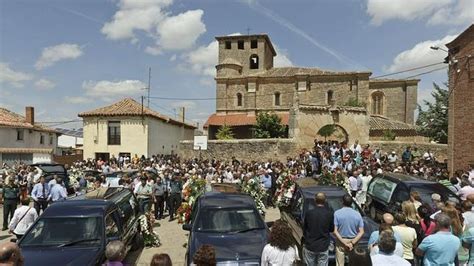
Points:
[[432, 120], [269, 126], [327, 131], [225, 132], [389, 135]]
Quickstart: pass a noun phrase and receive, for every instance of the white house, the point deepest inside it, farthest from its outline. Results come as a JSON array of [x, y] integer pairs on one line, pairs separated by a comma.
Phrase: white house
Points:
[[23, 140], [128, 128]]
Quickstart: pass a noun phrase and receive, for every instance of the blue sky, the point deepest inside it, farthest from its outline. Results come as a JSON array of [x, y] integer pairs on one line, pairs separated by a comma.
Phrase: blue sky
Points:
[[65, 57]]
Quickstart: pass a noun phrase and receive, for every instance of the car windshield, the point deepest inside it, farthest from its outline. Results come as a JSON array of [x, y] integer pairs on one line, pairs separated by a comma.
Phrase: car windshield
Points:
[[227, 220], [63, 231], [426, 191]]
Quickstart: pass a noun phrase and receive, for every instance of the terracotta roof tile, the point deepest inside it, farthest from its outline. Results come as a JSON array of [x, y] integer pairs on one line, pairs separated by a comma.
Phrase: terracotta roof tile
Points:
[[11, 119], [129, 107], [378, 122], [239, 119]]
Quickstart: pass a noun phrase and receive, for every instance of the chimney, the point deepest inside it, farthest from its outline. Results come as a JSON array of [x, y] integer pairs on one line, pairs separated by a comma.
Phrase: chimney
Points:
[[30, 115], [182, 114]]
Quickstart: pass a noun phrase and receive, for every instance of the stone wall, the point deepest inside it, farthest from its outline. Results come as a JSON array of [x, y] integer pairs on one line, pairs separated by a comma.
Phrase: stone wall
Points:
[[280, 149], [243, 149], [400, 98], [310, 120], [440, 151]]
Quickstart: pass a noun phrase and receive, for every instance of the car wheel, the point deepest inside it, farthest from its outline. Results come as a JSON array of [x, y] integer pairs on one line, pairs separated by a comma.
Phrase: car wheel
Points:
[[138, 242], [373, 213]]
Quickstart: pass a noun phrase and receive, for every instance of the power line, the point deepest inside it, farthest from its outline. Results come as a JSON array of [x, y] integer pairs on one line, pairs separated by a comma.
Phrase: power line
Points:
[[56, 122], [408, 70], [171, 113], [427, 72]]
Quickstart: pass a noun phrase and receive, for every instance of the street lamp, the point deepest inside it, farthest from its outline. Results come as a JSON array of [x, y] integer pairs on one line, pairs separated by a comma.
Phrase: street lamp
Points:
[[438, 48]]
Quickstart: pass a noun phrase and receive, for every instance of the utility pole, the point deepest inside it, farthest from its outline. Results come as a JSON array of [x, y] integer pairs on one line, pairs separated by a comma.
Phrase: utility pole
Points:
[[143, 117]]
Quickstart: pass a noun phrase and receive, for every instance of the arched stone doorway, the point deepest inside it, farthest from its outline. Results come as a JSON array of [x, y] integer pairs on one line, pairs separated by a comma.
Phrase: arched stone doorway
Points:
[[333, 132]]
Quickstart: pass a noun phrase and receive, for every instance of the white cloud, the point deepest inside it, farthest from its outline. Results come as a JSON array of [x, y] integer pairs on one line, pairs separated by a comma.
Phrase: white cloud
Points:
[[420, 55], [173, 58], [76, 99], [281, 60], [44, 84], [460, 13], [149, 16], [107, 90], [186, 104], [153, 50], [53, 54], [12, 77], [451, 12], [128, 20], [181, 31], [203, 60]]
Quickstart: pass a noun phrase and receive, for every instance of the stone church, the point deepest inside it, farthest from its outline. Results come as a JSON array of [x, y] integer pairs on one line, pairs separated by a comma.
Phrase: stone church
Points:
[[306, 99]]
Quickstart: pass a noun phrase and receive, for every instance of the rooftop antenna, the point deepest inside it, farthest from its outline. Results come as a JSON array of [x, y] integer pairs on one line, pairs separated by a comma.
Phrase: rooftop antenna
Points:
[[248, 30]]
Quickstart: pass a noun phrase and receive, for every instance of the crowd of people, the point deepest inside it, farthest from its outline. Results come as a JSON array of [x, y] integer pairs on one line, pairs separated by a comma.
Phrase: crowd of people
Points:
[[158, 183]]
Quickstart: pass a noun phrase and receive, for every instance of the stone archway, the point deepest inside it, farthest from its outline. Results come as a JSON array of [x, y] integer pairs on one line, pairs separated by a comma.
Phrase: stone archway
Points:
[[333, 132]]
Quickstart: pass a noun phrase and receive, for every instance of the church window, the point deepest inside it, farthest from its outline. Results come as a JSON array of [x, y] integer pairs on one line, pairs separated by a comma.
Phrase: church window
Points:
[[239, 99], [240, 45], [330, 97], [228, 45], [377, 103], [277, 99], [254, 61], [253, 44]]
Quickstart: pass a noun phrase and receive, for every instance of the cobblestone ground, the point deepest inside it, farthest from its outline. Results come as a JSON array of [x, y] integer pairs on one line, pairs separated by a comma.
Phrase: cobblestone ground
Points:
[[173, 239]]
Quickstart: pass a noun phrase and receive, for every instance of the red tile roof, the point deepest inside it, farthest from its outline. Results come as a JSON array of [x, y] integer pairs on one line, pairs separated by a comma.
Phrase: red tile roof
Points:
[[239, 119], [14, 120], [129, 107]]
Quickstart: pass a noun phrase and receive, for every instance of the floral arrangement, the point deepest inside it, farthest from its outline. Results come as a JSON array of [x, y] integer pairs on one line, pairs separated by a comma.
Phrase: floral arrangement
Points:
[[74, 176], [150, 238], [337, 178], [285, 188], [192, 189], [255, 189]]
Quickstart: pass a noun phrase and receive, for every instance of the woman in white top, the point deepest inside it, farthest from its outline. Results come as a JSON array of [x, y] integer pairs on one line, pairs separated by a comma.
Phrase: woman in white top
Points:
[[408, 237], [22, 219], [280, 249]]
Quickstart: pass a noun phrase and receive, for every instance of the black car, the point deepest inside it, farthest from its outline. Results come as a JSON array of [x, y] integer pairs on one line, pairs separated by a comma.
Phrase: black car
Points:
[[386, 193], [76, 231], [303, 201], [232, 224], [51, 169]]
